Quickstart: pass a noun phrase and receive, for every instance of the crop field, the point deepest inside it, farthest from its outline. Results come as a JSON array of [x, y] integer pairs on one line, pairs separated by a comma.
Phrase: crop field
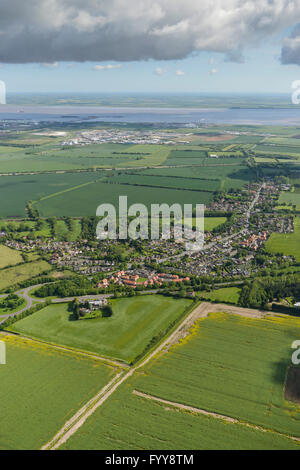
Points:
[[286, 243], [49, 157], [278, 149], [186, 157], [40, 389], [166, 182], [84, 200], [128, 422], [9, 257], [228, 176], [124, 336], [225, 294], [249, 357], [17, 274], [34, 187]]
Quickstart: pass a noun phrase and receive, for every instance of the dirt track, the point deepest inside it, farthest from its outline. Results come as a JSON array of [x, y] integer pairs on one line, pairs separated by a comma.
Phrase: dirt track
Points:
[[228, 419]]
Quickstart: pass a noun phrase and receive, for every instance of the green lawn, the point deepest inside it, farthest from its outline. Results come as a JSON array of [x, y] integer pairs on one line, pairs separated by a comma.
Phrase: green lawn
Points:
[[9, 257], [286, 243], [41, 389], [124, 336]]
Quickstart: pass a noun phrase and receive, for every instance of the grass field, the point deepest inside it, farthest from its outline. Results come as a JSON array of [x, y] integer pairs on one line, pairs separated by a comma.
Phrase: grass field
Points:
[[229, 365], [225, 294], [9, 257], [42, 388], [290, 198], [17, 274], [286, 243], [209, 222], [233, 366], [124, 336]]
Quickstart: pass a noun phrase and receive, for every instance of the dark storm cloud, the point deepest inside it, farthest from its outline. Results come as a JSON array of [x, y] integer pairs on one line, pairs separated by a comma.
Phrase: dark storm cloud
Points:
[[125, 30]]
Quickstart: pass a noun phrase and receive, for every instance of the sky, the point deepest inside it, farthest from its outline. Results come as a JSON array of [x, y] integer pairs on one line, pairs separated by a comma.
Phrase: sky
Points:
[[150, 45]]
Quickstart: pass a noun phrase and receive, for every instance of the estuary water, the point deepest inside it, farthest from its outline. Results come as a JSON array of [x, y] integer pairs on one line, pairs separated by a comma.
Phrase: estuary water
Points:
[[185, 116]]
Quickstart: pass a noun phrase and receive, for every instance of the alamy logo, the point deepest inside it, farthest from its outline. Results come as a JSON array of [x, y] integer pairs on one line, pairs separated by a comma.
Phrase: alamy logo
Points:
[[2, 92], [165, 222], [2, 352], [296, 354]]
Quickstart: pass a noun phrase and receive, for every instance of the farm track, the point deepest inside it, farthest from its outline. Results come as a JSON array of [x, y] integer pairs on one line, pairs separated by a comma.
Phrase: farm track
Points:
[[201, 311], [228, 419]]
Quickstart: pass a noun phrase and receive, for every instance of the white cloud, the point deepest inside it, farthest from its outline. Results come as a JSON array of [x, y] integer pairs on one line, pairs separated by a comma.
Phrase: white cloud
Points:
[[48, 65], [290, 53], [159, 71], [50, 31], [107, 67], [179, 73]]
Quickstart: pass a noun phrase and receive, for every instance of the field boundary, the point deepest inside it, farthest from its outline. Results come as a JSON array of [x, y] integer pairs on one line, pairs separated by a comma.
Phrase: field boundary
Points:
[[109, 361]]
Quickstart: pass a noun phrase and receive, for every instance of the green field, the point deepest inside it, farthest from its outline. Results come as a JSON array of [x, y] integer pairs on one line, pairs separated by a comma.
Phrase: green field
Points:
[[84, 201], [233, 366], [229, 365], [41, 389], [46, 156], [9, 257], [16, 191], [286, 243], [290, 198], [209, 222], [124, 336], [225, 294], [232, 175], [166, 182], [127, 422], [18, 274]]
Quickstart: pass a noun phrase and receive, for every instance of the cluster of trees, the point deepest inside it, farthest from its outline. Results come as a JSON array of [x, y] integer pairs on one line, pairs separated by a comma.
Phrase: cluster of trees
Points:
[[75, 306], [11, 302], [261, 292], [88, 228], [31, 212], [67, 288]]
